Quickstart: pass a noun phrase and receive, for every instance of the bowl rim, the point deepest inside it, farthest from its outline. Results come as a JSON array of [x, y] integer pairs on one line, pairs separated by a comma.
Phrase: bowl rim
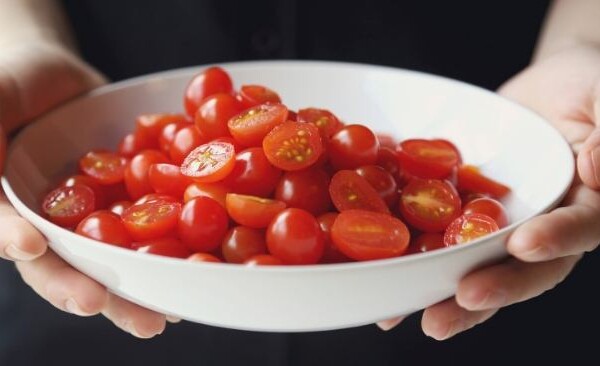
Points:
[[39, 221]]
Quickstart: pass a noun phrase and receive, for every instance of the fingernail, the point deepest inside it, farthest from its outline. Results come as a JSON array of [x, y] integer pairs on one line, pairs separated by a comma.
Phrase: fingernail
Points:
[[13, 252], [454, 328], [172, 319], [595, 156], [388, 324], [130, 327], [537, 253], [73, 307]]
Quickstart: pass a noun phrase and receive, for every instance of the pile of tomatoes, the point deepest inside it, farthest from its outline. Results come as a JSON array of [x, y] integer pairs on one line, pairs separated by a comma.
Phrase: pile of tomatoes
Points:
[[241, 178]]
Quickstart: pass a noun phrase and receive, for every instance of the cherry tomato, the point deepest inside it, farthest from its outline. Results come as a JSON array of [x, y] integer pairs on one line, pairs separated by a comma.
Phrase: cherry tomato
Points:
[[216, 191], [263, 260], [293, 145], [350, 191], [186, 140], [134, 143], [105, 167], [331, 253], [388, 160], [252, 95], [106, 227], [242, 242], [229, 140], [119, 207], [353, 146], [100, 191], [211, 81], [252, 211], [489, 207], [167, 179], [167, 136], [469, 227], [327, 123], [202, 224], [253, 174], [251, 125], [152, 220], [386, 141], [67, 206], [155, 197], [292, 116], [382, 181], [306, 189], [294, 236], [429, 204], [434, 159], [213, 114], [210, 162], [152, 125], [203, 257], [427, 242], [167, 247], [470, 179], [137, 181], [366, 235]]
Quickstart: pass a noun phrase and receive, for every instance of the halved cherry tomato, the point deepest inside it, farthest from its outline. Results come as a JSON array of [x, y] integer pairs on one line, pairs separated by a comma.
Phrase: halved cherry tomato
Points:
[[105, 226], [202, 224], [382, 181], [105, 167], [167, 136], [228, 139], [210, 162], [470, 179], [214, 113], [294, 236], [100, 191], [152, 125], [167, 247], [167, 179], [210, 81], [489, 207], [469, 227], [331, 254], [427, 242], [136, 173], [353, 146], [306, 189], [134, 143], [350, 191], [152, 220], [252, 95], [429, 205], [155, 197], [119, 207], [203, 257], [327, 123], [253, 174], [293, 145], [252, 211], [365, 235], [186, 140], [263, 260], [434, 159], [216, 191], [67, 206], [251, 125], [242, 242]]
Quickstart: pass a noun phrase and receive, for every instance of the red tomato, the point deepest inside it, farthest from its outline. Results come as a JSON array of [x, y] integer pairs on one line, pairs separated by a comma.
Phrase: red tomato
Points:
[[292, 116], [229, 140], [106, 227], [253, 95], [434, 159], [186, 140], [294, 236], [105, 167], [252, 125], [151, 125], [155, 197], [67, 206], [365, 235], [429, 204], [211, 81], [353, 146], [382, 181], [386, 141], [327, 123], [489, 207], [242, 242], [167, 136], [203, 257], [306, 189], [136, 173], [293, 145], [469, 227], [470, 179], [331, 253], [167, 179], [100, 191], [350, 191], [167, 247], [253, 174], [119, 207], [263, 260], [213, 114], [252, 211], [216, 191], [427, 242], [202, 224], [152, 220], [134, 143], [210, 162], [388, 160]]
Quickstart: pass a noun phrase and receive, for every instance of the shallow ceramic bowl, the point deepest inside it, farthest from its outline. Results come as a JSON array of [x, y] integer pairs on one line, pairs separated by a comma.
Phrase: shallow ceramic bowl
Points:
[[507, 141]]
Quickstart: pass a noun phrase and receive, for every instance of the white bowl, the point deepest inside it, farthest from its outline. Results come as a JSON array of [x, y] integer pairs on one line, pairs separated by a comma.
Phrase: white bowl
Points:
[[509, 142]]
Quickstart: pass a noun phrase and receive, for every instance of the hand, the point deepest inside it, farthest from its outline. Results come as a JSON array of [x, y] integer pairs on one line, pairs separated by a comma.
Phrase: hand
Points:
[[565, 89], [33, 79]]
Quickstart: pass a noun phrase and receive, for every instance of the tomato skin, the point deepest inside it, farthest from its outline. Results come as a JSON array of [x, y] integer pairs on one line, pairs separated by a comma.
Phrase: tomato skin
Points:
[[106, 227], [210, 81], [216, 191], [210, 162], [253, 174], [327, 123], [469, 227], [67, 206], [366, 235], [350, 191], [241, 243], [134, 143], [293, 145], [386, 141], [388, 160], [137, 181], [489, 207], [167, 247], [214, 113], [155, 197], [250, 126], [203, 257], [428, 159], [151, 125], [202, 224], [470, 179], [100, 191], [253, 95], [383, 182], [331, 253], [119, 207], [294, 236], [426, 242], [186, 140], [167, 179], [305, 189], [228, 139], [252, 211], [105, 167], [152, 220], [263, 260], [353, 146], [421, 201], [167, 136]]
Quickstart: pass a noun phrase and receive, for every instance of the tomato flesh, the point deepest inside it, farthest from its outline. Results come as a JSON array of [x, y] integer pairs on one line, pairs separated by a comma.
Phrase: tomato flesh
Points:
[[252, 211], [151, 220], [293, 145], [67, 206], [469, 227], [433, 159], [327, 123], [251, 125], [105, 167], [350, 191], [210, 162]]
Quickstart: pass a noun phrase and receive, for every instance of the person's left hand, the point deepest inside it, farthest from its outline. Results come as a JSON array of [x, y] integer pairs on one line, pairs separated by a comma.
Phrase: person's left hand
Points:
[[565, 89]]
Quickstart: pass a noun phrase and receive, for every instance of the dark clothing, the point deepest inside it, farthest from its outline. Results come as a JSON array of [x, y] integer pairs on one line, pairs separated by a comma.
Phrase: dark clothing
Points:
[[480, 42]]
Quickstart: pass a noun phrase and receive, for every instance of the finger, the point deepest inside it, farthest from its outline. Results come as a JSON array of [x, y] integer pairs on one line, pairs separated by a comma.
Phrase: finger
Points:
[[2, 149], [134, 319], [446, 319], [388, 324], [563, 232], [173, 320], [588, 160], [19, 240], [63, 286]]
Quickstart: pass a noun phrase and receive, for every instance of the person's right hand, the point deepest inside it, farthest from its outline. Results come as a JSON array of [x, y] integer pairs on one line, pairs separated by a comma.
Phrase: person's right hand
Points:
[[34, 78]]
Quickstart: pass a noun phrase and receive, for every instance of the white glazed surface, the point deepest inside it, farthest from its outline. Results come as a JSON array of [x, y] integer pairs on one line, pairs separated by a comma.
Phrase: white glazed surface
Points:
[[509, 142]]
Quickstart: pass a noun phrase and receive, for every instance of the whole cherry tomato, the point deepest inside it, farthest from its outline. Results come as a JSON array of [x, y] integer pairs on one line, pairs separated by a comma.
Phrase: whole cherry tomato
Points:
[[253, 174], [105, 226], [214, 113], [137, 181], [202, 224], [306, 189], [294, 236], [210, 81], [353, 146], [241, 243]]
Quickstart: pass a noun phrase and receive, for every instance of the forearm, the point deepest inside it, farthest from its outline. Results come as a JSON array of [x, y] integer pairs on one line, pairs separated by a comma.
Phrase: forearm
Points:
[[569, 23]]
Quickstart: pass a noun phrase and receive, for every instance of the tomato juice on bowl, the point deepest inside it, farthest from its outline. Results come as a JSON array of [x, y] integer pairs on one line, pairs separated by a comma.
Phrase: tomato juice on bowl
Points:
[[489, 131]]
